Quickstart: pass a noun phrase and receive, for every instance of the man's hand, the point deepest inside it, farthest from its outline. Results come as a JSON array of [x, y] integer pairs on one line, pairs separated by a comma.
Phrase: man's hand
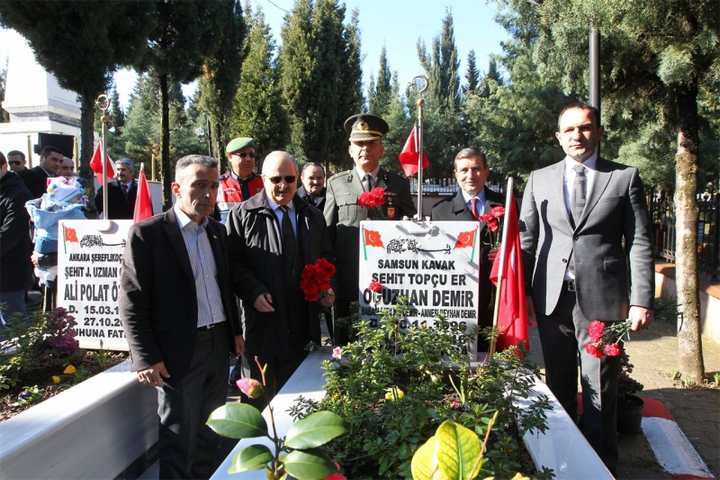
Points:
[[239, 345], [34, 258], [530, 309], [263, 303], [154, 375], [640, 317], [328, 298]]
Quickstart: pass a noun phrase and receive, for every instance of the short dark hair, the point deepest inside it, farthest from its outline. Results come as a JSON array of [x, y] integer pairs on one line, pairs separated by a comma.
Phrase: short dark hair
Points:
[[582, 106], [48, 149], [312, 164], [470, 152], [13, 153], [187, 160]]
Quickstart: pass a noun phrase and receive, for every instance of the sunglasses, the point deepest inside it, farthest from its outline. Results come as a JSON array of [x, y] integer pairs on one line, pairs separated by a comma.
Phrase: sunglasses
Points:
[[245, 154], [287, 178], [14, 162]]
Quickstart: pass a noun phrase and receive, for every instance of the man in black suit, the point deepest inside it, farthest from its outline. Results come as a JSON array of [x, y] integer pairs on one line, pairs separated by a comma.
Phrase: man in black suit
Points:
[[312, 188], [122, 192], [50, 160], [272, 236], [472, 200], [342, 212], [180, 317]]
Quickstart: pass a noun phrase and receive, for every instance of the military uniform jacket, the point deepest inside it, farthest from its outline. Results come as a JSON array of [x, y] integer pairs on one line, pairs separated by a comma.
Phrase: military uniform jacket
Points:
[[258, 266], [343, 216]]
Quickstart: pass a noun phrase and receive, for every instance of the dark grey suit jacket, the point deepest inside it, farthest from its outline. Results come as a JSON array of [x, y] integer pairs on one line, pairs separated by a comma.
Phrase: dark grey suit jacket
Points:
[[158, 302], [610, 244]]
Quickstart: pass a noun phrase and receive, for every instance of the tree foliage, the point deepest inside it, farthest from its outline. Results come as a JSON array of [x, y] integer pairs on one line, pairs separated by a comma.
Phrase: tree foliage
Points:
[[441, 66]]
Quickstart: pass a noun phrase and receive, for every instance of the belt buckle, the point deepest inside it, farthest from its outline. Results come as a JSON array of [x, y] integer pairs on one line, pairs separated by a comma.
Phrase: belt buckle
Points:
[[207, 327], [571, 286]]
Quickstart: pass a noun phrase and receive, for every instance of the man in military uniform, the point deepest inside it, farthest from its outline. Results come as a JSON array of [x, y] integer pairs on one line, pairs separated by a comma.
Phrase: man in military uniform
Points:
[[342, 212], [240, 182]]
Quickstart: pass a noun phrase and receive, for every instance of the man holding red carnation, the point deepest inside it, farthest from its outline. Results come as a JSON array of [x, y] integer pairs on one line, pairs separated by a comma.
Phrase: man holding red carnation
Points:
[[271, 238], [588, 257], [366, 192], [474, 201]]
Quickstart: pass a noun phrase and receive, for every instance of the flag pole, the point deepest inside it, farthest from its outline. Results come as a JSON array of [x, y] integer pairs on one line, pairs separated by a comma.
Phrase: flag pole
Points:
[[501, 269], [103, 104], [420, 83]]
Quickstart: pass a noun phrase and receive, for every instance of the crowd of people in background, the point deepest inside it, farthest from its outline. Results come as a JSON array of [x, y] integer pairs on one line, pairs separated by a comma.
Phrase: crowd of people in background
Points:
[[218, 274]]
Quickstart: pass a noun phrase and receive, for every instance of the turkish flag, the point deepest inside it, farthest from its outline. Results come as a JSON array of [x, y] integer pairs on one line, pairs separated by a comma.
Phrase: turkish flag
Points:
[[465, 239], [372, 238], [96, 165], [512, 324], [409, 156], [143, 201], [70, 234]]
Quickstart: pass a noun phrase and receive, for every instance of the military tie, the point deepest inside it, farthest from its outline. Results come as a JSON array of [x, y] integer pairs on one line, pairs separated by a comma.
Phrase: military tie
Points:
[[578, 203], [288, 238], [368, 183]]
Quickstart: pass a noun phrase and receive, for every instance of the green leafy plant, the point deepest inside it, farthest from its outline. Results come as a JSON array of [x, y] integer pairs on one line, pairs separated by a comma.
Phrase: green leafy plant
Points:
[[395, 387], [297, 454]]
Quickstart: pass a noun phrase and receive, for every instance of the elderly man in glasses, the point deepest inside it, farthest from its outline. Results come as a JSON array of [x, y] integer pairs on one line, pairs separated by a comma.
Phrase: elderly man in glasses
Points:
[[240, 182], [272, 236]]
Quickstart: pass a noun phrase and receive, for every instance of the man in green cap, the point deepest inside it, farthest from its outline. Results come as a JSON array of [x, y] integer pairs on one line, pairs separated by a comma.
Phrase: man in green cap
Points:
[[342, 212], [240, 182]]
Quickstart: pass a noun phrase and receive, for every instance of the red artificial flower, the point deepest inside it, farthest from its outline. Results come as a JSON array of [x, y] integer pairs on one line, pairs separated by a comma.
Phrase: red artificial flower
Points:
[[497, 212], [376, 286], [596, 330], [594, 350], [613, 350]]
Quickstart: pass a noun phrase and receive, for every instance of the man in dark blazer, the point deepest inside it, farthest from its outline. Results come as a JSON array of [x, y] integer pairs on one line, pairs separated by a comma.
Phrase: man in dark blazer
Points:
[[312, 185], [122, 191], [587, 253], [50, 160], [472, 200], [342, 212], [180, 317], [272, 236]]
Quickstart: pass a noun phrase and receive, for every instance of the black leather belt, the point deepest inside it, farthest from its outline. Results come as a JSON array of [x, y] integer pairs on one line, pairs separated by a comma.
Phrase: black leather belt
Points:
[[206, 328], [570, 285]]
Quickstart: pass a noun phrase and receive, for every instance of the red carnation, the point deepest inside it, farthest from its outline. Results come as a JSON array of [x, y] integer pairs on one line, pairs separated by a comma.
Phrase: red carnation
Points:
[[376, 286], [613, 350], [493, 224], [373, 199], [596, 330], [315, 279], [594, 350], [497, 212]]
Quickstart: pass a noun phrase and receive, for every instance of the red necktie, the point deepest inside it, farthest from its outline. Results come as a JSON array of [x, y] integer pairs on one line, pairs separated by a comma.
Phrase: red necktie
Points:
[[473, 208]]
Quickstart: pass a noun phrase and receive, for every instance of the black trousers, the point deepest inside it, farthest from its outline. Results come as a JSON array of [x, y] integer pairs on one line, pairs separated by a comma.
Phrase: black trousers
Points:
[[187, 447], [563, 336]]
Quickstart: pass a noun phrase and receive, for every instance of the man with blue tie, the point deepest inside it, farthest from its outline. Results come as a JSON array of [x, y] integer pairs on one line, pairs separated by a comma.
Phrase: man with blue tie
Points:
[[272, 236], [472, 200]]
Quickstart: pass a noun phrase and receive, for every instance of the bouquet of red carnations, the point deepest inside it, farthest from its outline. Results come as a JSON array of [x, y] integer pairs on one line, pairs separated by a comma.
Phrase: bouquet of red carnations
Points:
[[373, 199], [315, 279], [606, 338]]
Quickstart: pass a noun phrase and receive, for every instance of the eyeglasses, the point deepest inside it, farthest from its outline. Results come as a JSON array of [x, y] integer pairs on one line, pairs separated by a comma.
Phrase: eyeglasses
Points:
[[14, 162], [244, 154], [287, 178]]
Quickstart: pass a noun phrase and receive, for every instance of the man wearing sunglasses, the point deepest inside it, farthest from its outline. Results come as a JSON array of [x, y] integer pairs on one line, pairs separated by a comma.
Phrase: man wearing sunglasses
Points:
[[272, 237], [240, 182], [16, 161], [342, 213]]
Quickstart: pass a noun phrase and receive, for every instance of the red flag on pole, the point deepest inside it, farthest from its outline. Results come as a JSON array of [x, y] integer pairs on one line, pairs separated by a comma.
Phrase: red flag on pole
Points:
[[409, 156], [512, 323], [143, 201], [96, 165]]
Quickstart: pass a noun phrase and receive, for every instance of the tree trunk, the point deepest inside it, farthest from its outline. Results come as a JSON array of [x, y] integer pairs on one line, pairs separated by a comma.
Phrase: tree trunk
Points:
[[87, 117], [690, 357], [166, 168]]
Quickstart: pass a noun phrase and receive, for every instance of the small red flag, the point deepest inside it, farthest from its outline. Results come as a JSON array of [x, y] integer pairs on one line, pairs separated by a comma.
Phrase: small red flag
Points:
[[96, 165], [465, 239], [143, 201], [512, 324], [372, 238], [409, 156], [70, 234]]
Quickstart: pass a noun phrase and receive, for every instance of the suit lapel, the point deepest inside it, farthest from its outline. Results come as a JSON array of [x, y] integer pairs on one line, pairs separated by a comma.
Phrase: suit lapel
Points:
[[603, 174], [459, 208], [557, 193], [172, 230]]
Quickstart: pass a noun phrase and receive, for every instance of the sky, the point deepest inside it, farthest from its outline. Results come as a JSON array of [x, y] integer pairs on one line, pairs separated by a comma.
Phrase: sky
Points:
[[395, 24]]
